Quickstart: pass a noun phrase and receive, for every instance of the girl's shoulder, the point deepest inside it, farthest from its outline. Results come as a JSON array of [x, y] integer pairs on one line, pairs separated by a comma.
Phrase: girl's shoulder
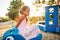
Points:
[[21, 17]]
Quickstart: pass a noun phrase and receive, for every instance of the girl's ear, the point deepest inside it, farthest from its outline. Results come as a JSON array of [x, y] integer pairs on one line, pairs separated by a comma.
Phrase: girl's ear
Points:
[[21, 12]]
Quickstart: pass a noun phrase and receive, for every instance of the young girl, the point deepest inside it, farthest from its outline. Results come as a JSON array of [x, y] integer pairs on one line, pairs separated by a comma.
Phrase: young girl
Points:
[[22, 25]]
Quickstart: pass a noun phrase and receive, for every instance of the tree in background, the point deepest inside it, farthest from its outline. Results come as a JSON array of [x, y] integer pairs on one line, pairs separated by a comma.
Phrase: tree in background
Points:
[[4, 19], [15, 5], [51, 2]]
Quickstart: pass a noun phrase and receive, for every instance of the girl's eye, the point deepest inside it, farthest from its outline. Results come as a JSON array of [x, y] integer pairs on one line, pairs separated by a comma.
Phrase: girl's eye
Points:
[[27, 11]]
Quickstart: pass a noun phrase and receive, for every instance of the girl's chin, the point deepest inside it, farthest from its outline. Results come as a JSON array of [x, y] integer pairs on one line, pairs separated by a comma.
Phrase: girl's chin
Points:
[[27, 15]]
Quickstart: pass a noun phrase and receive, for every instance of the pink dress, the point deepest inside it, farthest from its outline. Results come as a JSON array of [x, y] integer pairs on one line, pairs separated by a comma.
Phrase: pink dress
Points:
[[27, 32]]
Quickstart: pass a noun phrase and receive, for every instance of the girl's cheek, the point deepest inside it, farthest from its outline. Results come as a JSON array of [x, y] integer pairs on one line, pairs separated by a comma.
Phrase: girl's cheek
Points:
[[28, 14]]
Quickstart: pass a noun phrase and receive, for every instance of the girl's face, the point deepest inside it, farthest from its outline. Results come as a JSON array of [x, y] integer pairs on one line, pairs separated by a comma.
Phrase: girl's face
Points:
[[26, 12]]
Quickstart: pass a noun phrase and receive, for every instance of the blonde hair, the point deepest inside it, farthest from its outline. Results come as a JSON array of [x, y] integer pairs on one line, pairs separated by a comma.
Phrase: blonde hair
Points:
[[23, 9]]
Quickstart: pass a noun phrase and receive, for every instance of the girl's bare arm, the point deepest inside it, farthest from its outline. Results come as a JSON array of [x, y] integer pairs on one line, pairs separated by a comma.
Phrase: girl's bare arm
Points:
[[19, 20]]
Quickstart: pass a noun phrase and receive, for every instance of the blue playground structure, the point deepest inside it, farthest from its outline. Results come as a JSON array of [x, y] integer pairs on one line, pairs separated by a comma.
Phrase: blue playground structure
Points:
[[52, 19], [12, 34]]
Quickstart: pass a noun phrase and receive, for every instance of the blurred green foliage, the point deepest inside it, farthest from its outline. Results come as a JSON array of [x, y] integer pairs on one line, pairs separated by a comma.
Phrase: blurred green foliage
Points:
[[15, 5], [4, 19]]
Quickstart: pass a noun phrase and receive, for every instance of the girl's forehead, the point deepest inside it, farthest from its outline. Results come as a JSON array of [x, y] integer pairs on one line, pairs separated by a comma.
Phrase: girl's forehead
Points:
[[28, 9]]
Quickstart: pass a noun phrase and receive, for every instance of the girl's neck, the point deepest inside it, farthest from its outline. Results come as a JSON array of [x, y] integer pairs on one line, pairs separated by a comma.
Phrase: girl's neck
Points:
[[26, 19]]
